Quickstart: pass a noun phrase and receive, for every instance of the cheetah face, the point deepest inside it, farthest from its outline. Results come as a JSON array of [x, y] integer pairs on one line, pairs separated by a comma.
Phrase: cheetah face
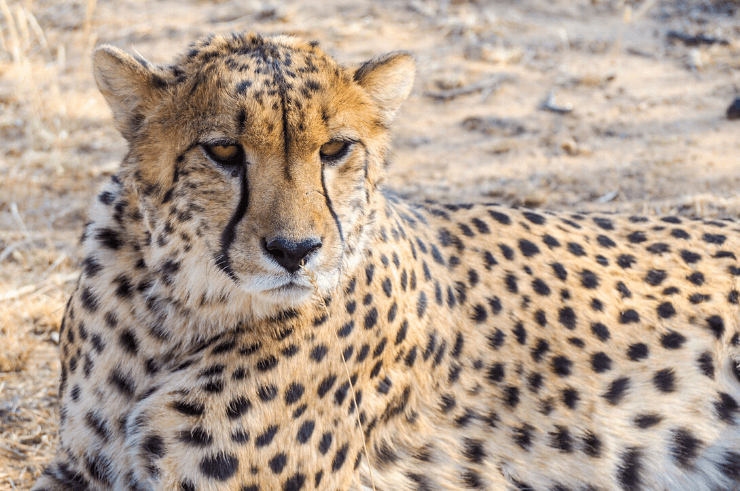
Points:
[[253, 159]]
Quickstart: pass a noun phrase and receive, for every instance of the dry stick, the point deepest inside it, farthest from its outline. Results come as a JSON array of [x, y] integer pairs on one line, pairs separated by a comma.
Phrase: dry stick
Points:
[[315, 284], [489, 84]]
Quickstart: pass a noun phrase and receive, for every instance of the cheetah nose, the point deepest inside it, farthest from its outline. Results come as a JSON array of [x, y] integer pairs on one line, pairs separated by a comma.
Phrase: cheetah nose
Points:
[[289, 254]]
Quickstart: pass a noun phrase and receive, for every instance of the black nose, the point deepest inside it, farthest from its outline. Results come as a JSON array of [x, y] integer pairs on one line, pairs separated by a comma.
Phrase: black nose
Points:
[[289, 254]]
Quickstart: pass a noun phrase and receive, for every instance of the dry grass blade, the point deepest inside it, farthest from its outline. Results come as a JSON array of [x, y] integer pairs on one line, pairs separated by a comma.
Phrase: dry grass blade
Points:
[[315, 284]]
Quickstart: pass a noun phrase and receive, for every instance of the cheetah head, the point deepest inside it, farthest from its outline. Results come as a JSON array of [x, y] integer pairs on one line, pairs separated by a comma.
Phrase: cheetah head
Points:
[[251, 158]]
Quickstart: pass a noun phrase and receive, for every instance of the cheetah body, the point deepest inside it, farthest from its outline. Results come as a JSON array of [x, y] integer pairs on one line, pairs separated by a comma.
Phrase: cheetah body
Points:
[[448, 347]]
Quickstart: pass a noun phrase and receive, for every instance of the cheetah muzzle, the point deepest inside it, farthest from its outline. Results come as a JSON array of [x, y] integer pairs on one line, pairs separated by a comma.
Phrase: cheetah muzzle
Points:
[[488, 348]]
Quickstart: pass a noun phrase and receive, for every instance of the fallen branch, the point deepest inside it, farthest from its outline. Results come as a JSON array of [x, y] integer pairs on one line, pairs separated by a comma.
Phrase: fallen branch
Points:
[[489, 84]]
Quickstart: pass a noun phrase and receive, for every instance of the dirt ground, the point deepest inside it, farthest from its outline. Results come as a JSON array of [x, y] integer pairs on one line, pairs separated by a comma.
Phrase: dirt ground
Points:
[[608, 105]]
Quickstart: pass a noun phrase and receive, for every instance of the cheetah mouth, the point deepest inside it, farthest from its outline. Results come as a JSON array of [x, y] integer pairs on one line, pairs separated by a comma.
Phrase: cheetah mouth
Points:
[[291, 286]]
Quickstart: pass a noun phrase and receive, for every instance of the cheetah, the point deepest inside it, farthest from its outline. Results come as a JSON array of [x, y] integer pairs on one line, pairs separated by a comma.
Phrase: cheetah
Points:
[[256, 311]]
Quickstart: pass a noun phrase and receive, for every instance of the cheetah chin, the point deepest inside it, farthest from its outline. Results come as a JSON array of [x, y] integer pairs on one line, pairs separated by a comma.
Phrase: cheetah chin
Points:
[[257, 312]]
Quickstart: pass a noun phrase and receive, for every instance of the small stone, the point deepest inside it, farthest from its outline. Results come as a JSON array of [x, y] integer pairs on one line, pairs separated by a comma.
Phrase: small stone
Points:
[[733, 112]]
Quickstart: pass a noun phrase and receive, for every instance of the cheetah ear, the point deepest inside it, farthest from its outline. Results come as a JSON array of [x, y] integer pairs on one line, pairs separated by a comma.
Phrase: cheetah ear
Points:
[[129, 85], [388, 80]]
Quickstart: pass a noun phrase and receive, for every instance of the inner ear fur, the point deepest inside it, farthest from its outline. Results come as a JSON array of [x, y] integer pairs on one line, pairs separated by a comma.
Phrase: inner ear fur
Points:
[[388, 80], [129, 85]]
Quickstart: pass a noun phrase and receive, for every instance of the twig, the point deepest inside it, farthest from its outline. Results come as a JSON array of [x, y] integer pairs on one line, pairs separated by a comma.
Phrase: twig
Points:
[[489, 84], [46, 284], [315, 284], [17, 217], [549, 104], [696, 40]]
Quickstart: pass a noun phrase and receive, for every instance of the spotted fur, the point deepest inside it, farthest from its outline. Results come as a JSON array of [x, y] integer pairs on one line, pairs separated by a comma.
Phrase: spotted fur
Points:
[[488, 347]]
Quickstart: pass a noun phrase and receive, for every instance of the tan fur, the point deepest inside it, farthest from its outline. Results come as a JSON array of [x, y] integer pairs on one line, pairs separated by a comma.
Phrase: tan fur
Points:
[[489, 348]]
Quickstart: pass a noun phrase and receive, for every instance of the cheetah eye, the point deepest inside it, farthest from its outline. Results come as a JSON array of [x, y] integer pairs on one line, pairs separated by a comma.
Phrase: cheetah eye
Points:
[[334, 150], [224, 154]]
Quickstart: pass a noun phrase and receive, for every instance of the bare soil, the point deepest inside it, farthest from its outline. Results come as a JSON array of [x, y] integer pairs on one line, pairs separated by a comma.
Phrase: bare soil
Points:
[[574, 105]]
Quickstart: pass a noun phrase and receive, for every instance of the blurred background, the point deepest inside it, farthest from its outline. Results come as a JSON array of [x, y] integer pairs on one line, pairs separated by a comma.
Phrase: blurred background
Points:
[[618, 105]]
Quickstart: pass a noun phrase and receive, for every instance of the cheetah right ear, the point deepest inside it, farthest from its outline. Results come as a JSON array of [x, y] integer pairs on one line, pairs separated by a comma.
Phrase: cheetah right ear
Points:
[[388, 80], [129, 85]]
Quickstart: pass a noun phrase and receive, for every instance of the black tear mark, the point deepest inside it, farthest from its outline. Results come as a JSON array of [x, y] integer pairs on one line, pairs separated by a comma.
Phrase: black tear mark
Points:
[[229, 234]]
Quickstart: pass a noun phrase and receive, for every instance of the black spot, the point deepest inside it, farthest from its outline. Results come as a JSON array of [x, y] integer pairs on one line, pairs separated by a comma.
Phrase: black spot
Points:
[[197, 437], [717, 325], [305, 431], [295, 482], [636, 237], [550, 241], [480, 225], [706, 364], [507, 251], [109, 238], [600, 362], [371, 318], [267, 363], [541, 318], [528, 248], [629, 316], [128, 341], [534, 217], [672, 340], [98, 424], [559, 271], [629, 469], [685, 447], [540, 287], [511, 283], [540, 349], [520, 333], [496, 339], [220, 466], [561, 366], [647, 420], [339, 458], [696, 278], [277, 463], [666, 310], [511, 396], [534, 382], [500, 217], [560, 439], [319, 352], [591, 445], [679, 234], [401, 335], [726, 408], [266, 437], [576, 249], [655, 277], [714, 238], [188, 408], [600, 331], [638, 351], [658, 248], [123, 383], [665, 380], [605, 241], [421, 306], [237, 407], [523, 436], [731, 466], [589, 279], [697, 298], [690, 257], [567, 317], [89, 300], [267, 392], [626, 261], [496, 372], [240, 437], [570, 398], [346, 329], [617, 390]]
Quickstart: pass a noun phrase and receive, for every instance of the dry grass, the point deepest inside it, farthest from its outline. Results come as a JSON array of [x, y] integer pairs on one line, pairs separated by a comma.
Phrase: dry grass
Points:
[[647, 132]]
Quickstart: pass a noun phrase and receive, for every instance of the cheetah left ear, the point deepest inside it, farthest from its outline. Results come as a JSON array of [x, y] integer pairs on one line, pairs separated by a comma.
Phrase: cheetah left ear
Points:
[[130, 86], [388, 80]]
